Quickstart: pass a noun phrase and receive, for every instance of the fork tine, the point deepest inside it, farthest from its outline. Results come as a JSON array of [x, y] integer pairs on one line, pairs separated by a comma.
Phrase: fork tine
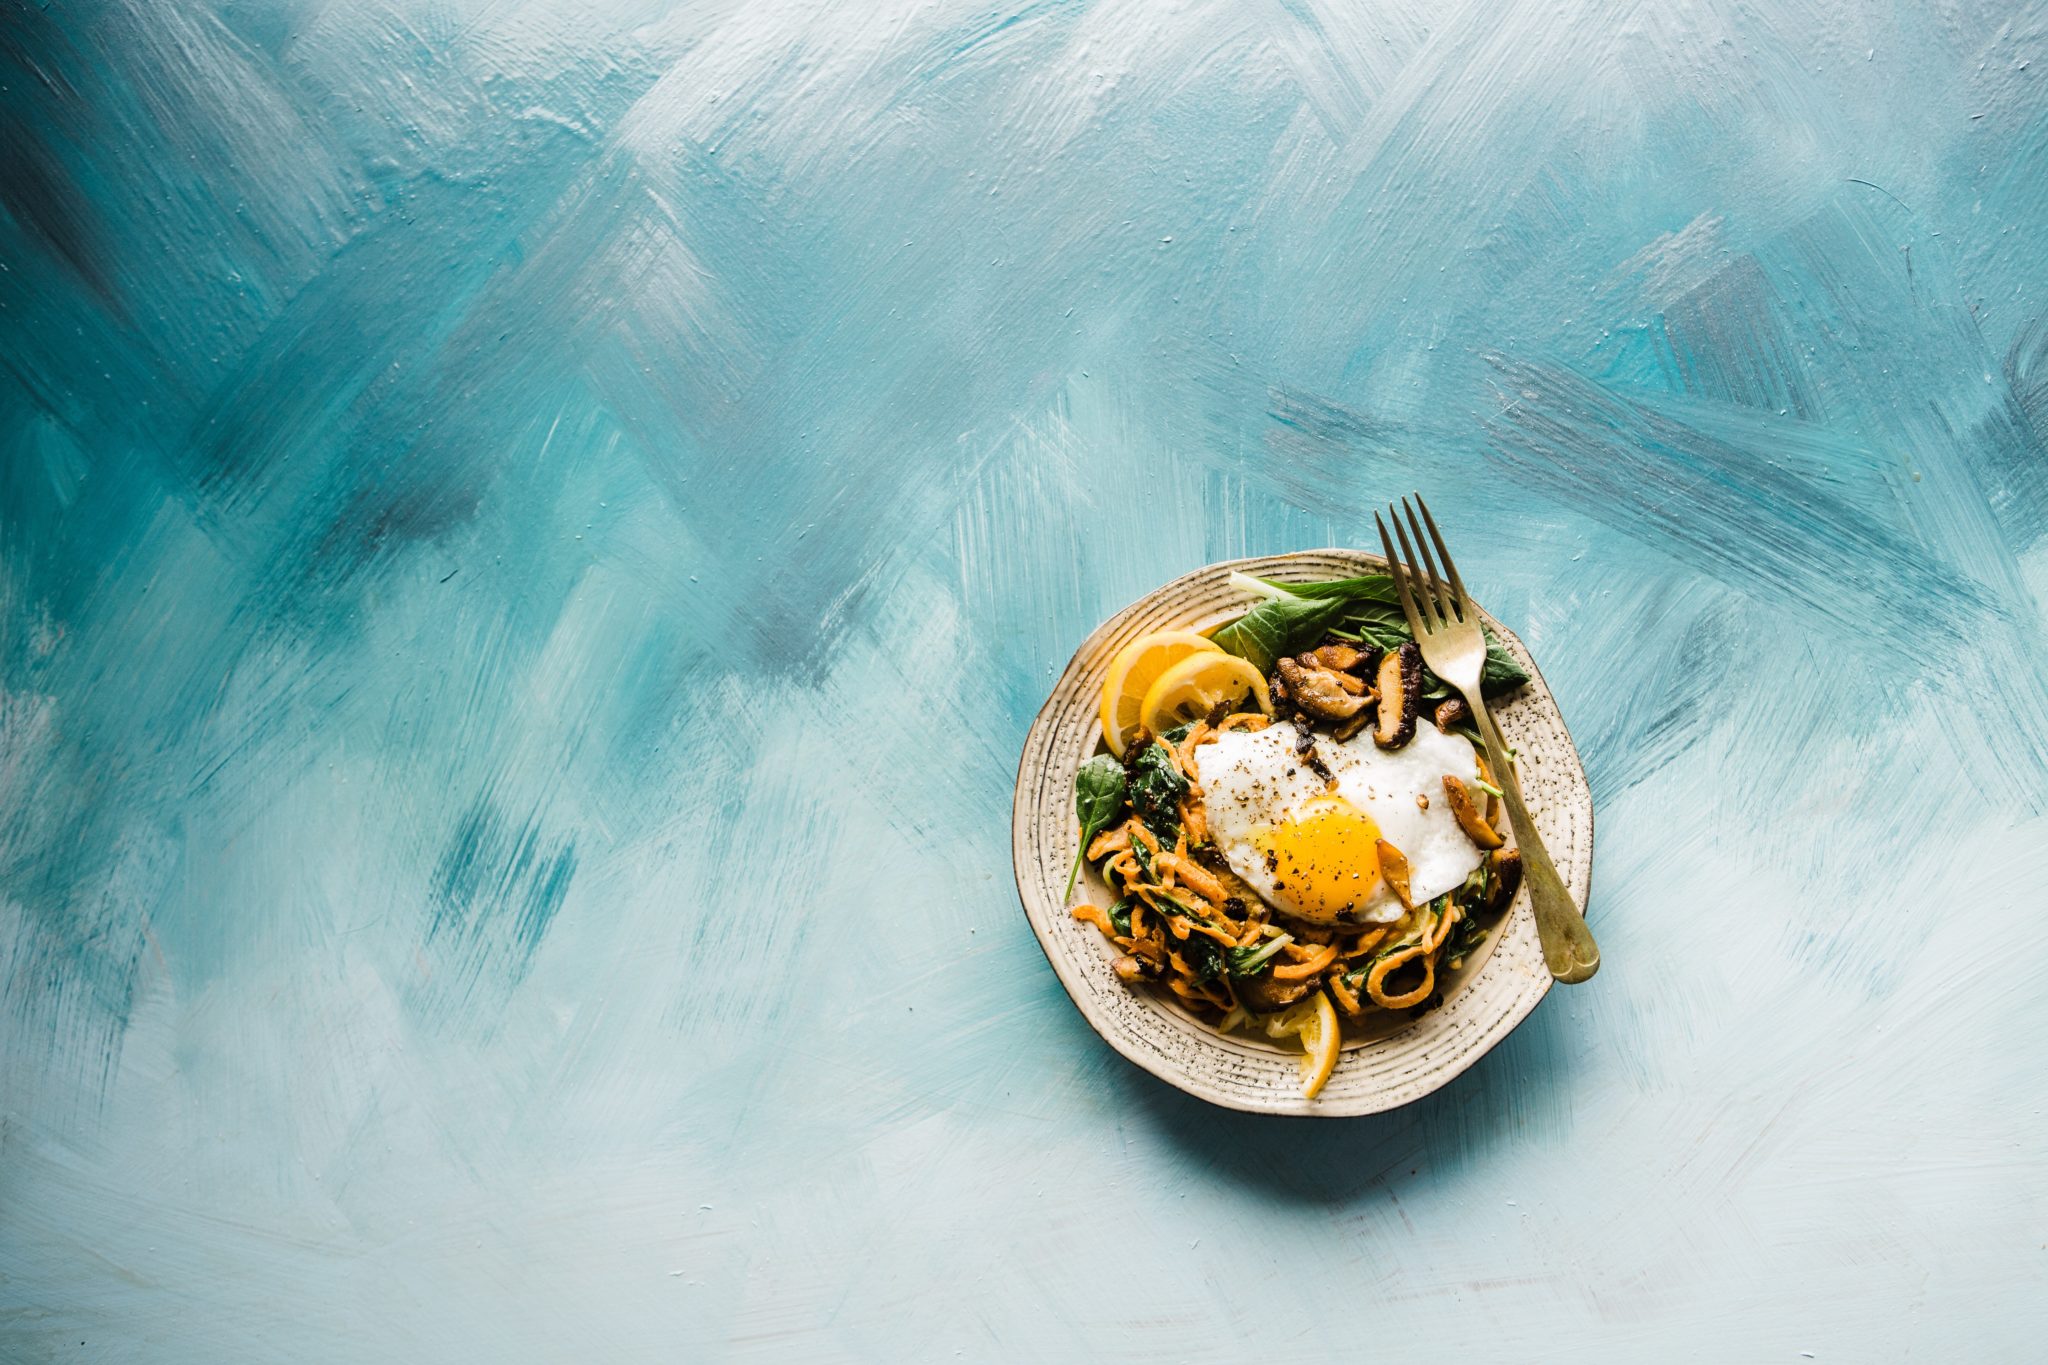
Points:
[[1400, 579], [1443, 551], [1437, 586], [1420, 587]]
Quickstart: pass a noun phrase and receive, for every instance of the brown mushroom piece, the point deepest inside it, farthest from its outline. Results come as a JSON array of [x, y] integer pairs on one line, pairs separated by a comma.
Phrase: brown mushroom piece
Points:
[[1452, 712], [1350, 682], [1394, 871], [1319, 691], [1345, 730], [1400, 690], [1263, 994], [1340, 657], [1131, 969], [1504, 868], [1468, 816]]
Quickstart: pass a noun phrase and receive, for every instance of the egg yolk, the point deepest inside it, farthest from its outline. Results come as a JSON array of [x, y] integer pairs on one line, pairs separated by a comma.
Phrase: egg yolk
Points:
[[1324, 857]]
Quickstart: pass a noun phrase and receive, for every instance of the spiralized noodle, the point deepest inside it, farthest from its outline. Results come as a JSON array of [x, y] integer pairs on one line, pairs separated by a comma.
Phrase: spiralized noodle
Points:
[[1311, 966]]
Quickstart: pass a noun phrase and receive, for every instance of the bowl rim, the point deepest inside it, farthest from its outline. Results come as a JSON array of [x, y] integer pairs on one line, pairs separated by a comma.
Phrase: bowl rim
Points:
[[1291, 1104]]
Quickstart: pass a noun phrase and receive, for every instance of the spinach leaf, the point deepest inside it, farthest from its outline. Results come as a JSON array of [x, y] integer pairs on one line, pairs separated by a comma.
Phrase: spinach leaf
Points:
[[1098, 799], [1502, 672], [1155, 788], [1278, 627], [1120, 916], [1372, 628], [1204, 957]]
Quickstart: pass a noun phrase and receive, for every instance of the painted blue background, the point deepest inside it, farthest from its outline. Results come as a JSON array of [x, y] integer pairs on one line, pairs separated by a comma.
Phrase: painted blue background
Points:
[[533, 532]]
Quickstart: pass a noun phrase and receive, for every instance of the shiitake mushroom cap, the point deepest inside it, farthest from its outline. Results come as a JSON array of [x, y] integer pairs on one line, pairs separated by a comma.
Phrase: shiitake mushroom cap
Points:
[[1400, 695]]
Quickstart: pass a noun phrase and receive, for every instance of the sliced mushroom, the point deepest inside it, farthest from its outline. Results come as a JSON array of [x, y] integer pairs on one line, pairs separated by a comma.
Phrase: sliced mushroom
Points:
[[1320, 691], [1467, 814], [1344, 730], [1264, 993], [1453, 712], [1394, 869], [1352, 683], [1400, 690], [1340, 656], [1504, 868], [1131, 970]]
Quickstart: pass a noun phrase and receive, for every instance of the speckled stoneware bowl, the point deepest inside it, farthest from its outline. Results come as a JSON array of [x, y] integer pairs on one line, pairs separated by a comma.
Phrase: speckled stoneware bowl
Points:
[[1385, 1064]]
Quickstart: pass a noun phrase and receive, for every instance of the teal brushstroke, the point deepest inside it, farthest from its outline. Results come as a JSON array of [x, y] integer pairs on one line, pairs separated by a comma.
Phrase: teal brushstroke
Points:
[[530, 539]]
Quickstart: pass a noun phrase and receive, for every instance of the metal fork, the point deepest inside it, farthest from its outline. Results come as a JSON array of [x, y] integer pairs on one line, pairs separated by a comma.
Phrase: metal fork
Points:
[[1455, 649]]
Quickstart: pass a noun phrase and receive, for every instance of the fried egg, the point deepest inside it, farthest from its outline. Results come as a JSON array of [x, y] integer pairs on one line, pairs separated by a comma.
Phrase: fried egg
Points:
[[1310, 847]]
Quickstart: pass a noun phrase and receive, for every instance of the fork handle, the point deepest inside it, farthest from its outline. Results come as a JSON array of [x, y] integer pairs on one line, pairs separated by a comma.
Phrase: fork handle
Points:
[[1568, 947]]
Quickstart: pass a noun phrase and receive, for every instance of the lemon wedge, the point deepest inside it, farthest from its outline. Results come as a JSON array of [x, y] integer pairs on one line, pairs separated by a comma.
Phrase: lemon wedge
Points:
[[1190, 689], [1313, 1023], [1133, 671]]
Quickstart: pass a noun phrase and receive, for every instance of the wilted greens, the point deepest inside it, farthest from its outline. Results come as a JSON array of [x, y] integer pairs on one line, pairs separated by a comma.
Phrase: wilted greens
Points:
[[1155, 790]]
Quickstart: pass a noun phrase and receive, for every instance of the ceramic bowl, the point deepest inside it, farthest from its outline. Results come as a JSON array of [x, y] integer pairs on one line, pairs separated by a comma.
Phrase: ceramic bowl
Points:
[[1384, 1064]]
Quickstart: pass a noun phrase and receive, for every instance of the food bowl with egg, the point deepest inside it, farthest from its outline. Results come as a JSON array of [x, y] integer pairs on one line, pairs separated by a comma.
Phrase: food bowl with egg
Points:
[[1253, 838]]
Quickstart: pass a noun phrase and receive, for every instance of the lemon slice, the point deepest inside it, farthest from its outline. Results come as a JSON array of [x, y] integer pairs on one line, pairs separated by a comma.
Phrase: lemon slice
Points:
[[1191, 688], [1133, 671], [1313, 1023], [1289, 1023], [1320, 1040]]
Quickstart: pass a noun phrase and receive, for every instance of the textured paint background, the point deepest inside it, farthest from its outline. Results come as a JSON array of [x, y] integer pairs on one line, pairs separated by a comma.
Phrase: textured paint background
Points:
[[533, 532]]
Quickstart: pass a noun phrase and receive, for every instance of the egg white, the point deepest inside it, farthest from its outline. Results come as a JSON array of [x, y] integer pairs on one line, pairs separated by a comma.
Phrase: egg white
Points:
[[1252, 781]]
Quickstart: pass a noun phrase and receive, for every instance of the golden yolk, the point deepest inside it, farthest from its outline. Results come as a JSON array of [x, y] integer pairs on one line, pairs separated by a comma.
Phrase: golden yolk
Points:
[[1324, 857]]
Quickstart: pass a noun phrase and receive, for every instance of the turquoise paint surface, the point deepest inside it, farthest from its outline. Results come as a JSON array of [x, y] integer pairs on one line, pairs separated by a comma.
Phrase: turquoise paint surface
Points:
[[532, 535]]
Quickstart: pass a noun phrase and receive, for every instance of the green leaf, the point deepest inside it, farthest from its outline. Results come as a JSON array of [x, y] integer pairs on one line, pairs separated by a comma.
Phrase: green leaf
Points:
[[1204, 957], [1285, 625], [1120, 916], [1098, 799], [1386, 632], [1372, 587], [1502, 671]]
